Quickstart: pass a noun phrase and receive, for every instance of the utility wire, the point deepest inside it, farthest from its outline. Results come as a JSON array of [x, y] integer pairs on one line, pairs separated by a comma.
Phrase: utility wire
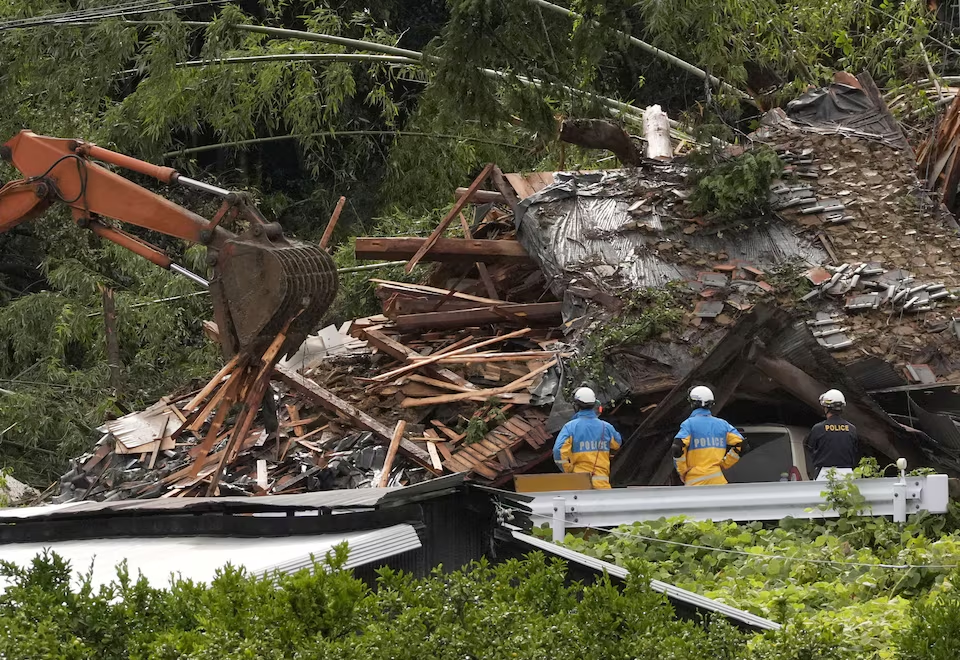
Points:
[[101, 13]]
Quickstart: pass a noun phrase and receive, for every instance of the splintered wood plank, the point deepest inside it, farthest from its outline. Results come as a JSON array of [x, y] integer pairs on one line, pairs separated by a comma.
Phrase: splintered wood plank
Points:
[[434, 455], [390, 375], [332, 402], [511, 458], [447, 431], [331, 225], [471, 454], [455, 464], [485, 470], [520, 383], [212, 384], [295, 420], [398, 351], [491, 447], [520, 185]]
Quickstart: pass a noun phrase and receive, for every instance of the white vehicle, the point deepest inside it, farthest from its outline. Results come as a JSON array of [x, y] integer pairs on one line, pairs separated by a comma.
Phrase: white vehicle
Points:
[[775, 450]]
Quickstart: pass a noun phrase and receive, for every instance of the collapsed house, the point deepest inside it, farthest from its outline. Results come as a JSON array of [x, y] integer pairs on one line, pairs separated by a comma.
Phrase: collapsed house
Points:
[[847, 282]]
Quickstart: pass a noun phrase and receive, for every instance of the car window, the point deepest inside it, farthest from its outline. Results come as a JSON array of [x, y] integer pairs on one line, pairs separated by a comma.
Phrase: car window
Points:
[[770, 456]]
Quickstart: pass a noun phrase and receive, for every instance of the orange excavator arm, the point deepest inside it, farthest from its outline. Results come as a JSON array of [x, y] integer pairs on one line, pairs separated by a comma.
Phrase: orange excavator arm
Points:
[[262, 281]]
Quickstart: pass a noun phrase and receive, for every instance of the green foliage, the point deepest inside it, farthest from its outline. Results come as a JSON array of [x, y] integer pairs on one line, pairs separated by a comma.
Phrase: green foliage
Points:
[[517, 609], [480, 423], [763, 43], [843, 496], [789, 280], [738, 188], [53, 349], [646, 314], [934, 633], [821, 577]]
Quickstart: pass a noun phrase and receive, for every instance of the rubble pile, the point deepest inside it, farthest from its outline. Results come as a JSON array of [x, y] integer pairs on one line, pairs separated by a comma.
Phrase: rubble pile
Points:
[[890, 279], [466, 372]]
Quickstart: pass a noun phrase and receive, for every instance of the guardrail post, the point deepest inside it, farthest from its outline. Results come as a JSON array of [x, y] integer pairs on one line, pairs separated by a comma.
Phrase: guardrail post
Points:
[[559, 522], [900, 493]]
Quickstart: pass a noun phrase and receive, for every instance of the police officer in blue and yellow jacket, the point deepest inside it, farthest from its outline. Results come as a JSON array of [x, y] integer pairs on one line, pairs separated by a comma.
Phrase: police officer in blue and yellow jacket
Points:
[[586, 443], [705, 444]]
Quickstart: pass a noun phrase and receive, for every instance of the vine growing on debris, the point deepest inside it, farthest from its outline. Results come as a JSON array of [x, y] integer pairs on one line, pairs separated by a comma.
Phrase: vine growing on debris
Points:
[[646, 314], [833, 582]]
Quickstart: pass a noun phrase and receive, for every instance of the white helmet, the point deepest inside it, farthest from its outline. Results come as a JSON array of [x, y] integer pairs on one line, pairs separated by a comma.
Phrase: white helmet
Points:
[[833, 400], [586, 396], [701, 397]]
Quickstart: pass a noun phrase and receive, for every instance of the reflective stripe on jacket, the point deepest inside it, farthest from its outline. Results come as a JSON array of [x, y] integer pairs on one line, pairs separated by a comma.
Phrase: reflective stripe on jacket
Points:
[[708, 443], [585, 444]]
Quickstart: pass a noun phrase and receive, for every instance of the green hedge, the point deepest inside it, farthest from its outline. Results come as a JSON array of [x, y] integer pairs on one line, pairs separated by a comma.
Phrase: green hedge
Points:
[[521, 609]]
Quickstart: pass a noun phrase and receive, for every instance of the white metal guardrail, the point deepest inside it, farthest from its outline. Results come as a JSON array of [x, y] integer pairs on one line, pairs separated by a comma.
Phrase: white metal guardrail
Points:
[[893, 496]]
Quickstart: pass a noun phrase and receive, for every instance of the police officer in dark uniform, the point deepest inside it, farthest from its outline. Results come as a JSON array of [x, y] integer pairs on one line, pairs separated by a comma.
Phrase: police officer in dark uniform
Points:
[[833, 442]]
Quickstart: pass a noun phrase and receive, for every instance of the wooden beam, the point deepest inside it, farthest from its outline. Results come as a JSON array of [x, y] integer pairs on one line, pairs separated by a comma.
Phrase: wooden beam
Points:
[[806, 388], [500, 183], [450, 250], [332, 402], [415, 289], [483, 196], [442, 227], [526, 314]]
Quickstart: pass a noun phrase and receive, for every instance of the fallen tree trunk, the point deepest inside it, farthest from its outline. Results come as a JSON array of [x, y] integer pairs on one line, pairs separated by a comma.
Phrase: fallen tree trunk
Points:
[[601, 134]]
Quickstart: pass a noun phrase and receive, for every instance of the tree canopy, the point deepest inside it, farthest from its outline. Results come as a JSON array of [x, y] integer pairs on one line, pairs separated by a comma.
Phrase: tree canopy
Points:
[[391, 103]]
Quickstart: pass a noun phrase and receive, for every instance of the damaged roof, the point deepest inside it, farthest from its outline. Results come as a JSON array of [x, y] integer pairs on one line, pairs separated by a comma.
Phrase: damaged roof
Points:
[[620, 230]]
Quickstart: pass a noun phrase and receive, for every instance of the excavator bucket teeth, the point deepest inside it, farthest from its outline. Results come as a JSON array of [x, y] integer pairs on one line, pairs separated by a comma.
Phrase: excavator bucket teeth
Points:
[[266, 285]]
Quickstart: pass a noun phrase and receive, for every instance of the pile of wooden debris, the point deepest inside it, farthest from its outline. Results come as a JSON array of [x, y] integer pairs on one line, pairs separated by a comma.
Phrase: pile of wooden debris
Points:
[[447, 380]]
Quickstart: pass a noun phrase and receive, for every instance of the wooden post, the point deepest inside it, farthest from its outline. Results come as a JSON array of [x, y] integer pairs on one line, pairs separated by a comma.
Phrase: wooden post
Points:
[[392, 453], [328, 232], [113, 345], [481, 267]]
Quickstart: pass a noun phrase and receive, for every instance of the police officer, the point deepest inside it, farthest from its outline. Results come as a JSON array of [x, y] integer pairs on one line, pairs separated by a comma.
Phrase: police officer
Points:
[[705, 444], [586, 443], [833, 443]]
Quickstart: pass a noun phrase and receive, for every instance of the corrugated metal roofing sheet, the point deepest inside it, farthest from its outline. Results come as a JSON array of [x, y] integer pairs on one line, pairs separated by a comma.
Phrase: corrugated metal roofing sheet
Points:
[[582, 227], [198, 558], [359, 498], [875, 374]]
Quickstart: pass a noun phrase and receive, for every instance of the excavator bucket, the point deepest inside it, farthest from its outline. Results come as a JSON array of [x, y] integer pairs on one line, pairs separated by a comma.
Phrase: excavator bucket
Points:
[[266, 283]]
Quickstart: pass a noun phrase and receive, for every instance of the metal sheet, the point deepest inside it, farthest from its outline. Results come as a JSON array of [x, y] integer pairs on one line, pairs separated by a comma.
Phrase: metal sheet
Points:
[[198, 558], [345, 500], [581, 228], [675, 594], [738, 502]]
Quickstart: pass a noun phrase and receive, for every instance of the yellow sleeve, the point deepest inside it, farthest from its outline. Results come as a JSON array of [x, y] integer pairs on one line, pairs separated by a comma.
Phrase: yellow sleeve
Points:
[[733, 455], [681, 462], [566, 454]]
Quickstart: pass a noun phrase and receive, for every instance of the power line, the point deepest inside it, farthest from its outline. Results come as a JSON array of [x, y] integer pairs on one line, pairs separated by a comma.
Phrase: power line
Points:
[[101, 13]]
